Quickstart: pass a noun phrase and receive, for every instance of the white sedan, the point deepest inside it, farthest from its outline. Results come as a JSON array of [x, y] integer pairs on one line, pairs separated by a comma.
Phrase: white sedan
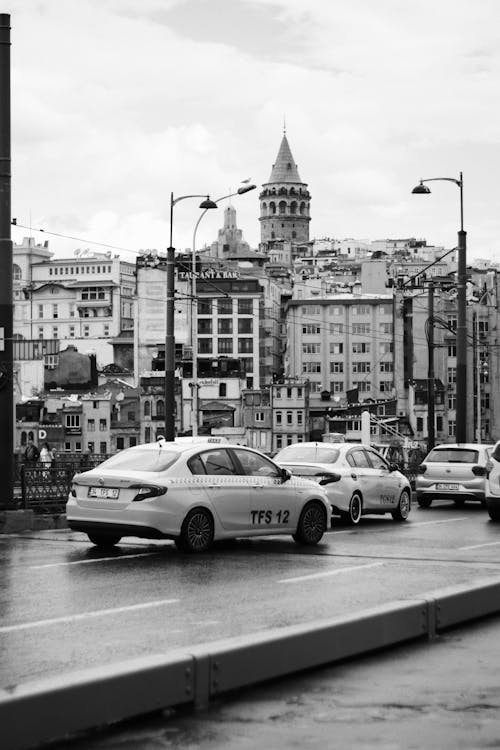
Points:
[[194, 493], [357, 479]]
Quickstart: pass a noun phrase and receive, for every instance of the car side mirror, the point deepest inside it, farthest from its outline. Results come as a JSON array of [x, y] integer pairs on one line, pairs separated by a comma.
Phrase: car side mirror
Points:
[[285, 475], [393, 467]]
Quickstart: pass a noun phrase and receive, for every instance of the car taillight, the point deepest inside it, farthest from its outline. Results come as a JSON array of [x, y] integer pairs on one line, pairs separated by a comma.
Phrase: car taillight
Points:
[[479, 471], [147, 490], [72, 491], [489, 467], [421, 469], [329, 478]]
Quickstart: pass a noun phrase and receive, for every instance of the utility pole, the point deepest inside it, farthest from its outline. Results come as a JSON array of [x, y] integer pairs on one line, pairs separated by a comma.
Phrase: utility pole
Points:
[[430, 370], [6, 258]]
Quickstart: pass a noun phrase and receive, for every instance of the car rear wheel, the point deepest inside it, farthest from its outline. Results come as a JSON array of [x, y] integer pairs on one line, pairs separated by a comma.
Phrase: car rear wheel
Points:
[[104, 540], [197, 532], [312, 524], [353, 515], [494, 514], [424, 502], [402, 511]]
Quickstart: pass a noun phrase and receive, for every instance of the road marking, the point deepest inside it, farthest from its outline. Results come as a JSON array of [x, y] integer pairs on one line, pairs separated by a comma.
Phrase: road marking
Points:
[[84, 615], [477, 546], [94, 560], [332, 572]]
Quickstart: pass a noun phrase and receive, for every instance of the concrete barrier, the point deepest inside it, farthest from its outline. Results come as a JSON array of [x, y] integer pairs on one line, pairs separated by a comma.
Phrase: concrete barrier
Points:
[[52, 709]]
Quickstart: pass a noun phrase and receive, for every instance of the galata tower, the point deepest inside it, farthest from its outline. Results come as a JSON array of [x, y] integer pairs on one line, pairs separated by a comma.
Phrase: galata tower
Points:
[[284, 201]]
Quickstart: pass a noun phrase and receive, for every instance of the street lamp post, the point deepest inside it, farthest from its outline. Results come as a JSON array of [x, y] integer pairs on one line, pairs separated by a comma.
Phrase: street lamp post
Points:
[[194, 318], [169, 320], [461, 422]]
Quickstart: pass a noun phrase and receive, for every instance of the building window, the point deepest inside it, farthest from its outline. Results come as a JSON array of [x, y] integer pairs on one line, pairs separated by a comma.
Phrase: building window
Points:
[[336, 367], [204, 325], [72, 420], [311, 348], [452, 375], [245, 325], [147, 408], [103, 425], [289, 417], [359, 329], [245, 307], [225, 346], [311, 330], [72, 332], [386, 328], [245, 346], [147, 434], [361, 366], [86, 331], [361, 348], [386, 386], [279, 417], [300, 416], [311, 367], [91, 425], [336, 328], [40, 333], [204, 346], [336, 348], [386, 366], [204, 307], [120, 443], [40, 311], [360, 309], [106, 330], [225, 306], [452, 426], [386, 347], [160, 408], [259, 416], [90, 447], [452, 401], [224, 326], [336, 386], [452, 350], [222, 390], [55, 332], [103, 448], [55, 312]]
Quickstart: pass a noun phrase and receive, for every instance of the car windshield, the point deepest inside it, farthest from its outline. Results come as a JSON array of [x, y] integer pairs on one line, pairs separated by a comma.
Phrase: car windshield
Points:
[[318, 454], [144, 459], [453, 456]]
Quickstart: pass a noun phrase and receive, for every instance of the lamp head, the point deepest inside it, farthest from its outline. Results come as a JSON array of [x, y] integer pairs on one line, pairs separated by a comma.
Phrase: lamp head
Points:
[[207, 203], [246, 189], [423, 189]]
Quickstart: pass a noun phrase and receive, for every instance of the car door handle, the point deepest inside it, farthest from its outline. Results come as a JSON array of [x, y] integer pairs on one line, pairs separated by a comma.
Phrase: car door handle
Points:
[[354, 476], [257, 486]]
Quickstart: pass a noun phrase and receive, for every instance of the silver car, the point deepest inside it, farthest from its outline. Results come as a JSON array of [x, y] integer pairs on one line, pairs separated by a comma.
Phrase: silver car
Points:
[[453, 471]]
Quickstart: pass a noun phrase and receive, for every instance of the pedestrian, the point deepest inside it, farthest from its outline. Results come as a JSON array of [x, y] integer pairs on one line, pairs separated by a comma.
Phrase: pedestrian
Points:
[[46, 457], [31, 453]]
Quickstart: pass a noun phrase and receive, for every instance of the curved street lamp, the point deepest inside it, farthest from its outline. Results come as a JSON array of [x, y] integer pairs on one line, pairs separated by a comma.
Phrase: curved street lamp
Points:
[[194, 318], [169, 319], [461, 418]]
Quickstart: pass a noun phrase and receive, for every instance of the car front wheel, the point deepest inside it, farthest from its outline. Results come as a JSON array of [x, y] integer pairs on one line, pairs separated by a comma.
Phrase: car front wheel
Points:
[[402, 511], [197, 532], [494, 514], [104, 540], [312, 524]]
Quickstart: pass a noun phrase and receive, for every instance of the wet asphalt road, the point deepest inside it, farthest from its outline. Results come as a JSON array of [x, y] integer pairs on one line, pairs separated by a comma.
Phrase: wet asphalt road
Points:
[[66, 605]]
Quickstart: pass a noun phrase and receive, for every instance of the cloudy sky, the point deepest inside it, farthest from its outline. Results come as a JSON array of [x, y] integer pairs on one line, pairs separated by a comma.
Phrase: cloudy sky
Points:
[[118, 103]]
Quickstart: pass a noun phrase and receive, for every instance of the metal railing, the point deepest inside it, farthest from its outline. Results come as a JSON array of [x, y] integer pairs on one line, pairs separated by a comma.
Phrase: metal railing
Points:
[[45, 489]]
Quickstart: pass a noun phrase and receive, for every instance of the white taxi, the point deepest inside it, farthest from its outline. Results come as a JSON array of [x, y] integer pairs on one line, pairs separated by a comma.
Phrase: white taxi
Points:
[[358, 480], [194, 494]]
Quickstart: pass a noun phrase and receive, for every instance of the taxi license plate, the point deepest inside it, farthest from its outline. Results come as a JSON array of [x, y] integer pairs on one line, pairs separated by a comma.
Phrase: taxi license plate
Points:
[[446, 486], [105, 493]]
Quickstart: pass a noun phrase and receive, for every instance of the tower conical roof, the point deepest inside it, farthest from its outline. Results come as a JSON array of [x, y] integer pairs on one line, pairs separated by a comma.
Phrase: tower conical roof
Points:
[[284, 169]]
